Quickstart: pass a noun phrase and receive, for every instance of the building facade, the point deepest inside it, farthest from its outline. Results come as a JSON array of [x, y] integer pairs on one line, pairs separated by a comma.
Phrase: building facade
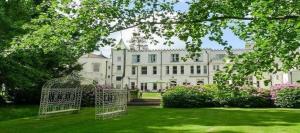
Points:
[[96, 67], [155, 70]]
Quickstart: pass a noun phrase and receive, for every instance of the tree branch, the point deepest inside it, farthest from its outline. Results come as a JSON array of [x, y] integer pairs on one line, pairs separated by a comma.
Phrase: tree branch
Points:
[[206, 20]]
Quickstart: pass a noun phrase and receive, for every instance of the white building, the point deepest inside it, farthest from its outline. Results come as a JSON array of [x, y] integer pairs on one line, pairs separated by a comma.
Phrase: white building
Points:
[[96, 67], [154, 70]]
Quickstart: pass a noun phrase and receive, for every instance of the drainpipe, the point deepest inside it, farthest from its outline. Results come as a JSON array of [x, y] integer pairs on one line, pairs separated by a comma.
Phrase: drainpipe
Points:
[[112, 67], [124, 65], [208, 68], [291, 73], [161, 71], [105, 72], [137, 77]]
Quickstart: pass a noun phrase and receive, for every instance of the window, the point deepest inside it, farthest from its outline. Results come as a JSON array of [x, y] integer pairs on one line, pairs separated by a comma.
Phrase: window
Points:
[[200, 82], [144, 70], [133, 70], [119, 68], [132, 85], [118, 78], [173, 83], [174, 69], [96, 67], [258, 84], [167, 70], [192, 69], [108, 67], [186, 83], [108, 76], [154, 70], [154, 86], [216, 67], [182, 69], [175, 57], [119, 58], [144, 86], [205, 69], [152, 58], [198, 69], [136, 58], [277, 77]]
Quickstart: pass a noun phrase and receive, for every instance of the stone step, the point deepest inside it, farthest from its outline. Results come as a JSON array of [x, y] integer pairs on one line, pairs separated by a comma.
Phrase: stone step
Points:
[[143, 103], [145, 100]]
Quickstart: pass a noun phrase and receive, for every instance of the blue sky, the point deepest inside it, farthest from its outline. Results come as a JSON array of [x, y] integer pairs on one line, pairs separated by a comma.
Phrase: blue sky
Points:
[[233, 40]]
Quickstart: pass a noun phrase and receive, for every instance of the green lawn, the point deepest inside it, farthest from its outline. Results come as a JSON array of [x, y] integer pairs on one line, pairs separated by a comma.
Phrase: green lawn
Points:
[[151, 95], [156, 119]]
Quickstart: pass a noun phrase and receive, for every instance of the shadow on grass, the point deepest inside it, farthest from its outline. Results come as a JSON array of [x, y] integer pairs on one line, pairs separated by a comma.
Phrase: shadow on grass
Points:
[[191, 120], [8, 112], [155, 119]]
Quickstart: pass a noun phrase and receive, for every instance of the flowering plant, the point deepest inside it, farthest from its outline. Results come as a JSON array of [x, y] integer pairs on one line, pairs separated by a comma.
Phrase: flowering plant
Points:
[[274, 89]]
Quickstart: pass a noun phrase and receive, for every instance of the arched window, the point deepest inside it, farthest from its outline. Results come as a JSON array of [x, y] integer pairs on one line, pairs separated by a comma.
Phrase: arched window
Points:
[[173, 83], [200, 82]]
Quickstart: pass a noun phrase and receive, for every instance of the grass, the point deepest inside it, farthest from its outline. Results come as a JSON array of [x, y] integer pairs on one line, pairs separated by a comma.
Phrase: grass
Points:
[[151, 95], [156, 120]]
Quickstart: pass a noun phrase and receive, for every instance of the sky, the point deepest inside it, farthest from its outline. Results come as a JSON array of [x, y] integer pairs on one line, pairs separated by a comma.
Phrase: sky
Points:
[[233, 40]]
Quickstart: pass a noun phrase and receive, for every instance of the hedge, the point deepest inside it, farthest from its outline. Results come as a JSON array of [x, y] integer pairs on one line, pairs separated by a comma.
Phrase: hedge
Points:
[[182, 97], [288, 98]]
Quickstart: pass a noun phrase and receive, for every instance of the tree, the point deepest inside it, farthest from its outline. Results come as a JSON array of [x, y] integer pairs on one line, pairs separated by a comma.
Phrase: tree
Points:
[[56, 33], [273, 26]]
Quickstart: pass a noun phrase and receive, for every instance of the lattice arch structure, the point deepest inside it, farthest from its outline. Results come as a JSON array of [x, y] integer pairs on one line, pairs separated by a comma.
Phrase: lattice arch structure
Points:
[[110, 102], [64, 94], [61, 95]]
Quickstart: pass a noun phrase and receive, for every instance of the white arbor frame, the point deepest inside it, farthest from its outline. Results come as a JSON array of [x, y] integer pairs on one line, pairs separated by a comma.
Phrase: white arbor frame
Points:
[[64, 94], [110, 102], [61, 95]]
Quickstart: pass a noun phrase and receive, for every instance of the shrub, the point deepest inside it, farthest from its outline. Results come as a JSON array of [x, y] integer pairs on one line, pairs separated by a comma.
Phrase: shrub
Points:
[[244, 97], [24, 96], [184, 97], [278, 87], [134, 94], [288, 98], [88, 95], [2, 100]]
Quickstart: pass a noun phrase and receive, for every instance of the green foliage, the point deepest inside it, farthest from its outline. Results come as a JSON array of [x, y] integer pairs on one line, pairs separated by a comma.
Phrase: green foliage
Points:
[[235, 120], [183, 97], [88, 95], [209, 95], [288, 98], [2, 100], [41, 40], [245, 97], [134, 94]]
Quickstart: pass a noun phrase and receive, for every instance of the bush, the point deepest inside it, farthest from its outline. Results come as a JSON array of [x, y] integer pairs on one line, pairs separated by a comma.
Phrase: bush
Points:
[[134, 94], [288, 98], [184, 97], [2, 100], [88, 96], [244, 97], [24, 96]]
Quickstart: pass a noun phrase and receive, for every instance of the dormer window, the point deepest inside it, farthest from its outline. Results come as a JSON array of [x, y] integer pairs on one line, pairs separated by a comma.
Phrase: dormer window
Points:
[[174, 57]]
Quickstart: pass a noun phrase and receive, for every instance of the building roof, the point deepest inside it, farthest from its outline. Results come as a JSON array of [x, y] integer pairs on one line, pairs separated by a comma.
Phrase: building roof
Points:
[[96, 56], [120, 45]]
